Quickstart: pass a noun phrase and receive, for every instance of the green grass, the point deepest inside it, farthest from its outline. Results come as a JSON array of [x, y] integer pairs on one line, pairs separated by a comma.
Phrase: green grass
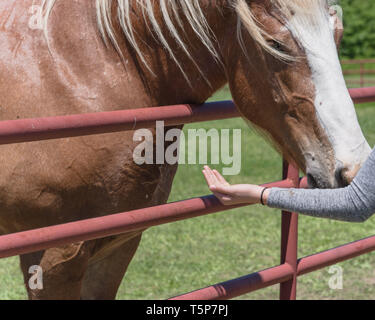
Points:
[[187, 255]]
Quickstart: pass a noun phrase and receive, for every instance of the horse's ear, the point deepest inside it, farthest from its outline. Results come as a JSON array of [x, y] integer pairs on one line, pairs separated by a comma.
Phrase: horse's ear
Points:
[[338, 26]]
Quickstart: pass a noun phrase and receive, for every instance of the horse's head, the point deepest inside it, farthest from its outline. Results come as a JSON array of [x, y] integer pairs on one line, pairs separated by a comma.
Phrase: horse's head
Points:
[[285, 77], [280, 58]]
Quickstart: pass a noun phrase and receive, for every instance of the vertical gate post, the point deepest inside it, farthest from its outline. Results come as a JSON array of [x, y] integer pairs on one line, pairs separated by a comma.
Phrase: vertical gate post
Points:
[[362, 64], [289, 238]]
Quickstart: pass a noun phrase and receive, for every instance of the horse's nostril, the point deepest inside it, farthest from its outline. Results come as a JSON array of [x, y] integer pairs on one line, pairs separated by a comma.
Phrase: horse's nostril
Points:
[[312, 181], [344, 176], [340, 178]]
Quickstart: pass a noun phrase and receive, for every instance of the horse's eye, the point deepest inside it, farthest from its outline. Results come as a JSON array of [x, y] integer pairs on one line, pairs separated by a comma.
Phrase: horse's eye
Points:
[[276, 45]]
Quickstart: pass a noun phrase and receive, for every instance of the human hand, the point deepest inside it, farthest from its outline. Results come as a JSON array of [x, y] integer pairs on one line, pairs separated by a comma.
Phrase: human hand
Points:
[[231, 194]]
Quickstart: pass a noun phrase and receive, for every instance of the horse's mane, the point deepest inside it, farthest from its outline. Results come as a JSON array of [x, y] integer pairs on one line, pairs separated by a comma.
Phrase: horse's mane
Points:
[[173, 11]]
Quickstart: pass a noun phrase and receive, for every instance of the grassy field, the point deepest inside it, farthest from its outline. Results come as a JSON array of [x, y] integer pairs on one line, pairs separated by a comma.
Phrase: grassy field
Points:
[[184, 256]]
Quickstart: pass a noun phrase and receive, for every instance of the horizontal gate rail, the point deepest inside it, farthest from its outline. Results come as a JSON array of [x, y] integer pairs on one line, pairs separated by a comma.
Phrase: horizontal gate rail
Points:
[[282, 273], [243, 285], [94, 228], [362, 95], [27, 130]]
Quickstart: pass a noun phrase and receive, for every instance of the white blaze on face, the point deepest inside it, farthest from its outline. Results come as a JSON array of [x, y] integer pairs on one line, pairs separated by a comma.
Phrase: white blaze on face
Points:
[[334, 106]]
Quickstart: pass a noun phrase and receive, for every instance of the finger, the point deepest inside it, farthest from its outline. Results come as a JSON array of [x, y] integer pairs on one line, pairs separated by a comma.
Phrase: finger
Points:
[[227, 190], [208, 178], [211, 182], [220, 178], [207, 169], [212, 176]]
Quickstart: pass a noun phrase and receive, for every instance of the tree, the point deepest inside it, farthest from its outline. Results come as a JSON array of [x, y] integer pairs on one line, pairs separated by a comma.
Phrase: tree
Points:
[[359, 23]]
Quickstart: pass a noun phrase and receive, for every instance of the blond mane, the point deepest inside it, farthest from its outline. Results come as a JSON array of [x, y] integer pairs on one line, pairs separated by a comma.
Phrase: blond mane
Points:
[[173, 11]]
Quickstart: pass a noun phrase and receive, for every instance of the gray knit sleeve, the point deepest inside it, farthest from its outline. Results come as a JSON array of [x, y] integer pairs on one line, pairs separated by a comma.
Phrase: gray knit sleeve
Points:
[[355, 203]]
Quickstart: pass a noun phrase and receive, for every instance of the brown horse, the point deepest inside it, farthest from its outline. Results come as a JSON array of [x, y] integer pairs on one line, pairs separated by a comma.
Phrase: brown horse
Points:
[[61, 57]]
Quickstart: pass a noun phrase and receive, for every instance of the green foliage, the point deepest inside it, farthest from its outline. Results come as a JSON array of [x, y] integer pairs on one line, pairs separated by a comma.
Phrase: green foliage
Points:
[[359, 22]]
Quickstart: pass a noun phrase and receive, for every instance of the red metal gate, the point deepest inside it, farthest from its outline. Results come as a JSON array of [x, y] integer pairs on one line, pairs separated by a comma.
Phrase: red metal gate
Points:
[[286, 273]]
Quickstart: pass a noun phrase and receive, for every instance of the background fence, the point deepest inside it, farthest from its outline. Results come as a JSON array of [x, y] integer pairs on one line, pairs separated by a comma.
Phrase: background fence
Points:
[[286, 273], [359, 73]]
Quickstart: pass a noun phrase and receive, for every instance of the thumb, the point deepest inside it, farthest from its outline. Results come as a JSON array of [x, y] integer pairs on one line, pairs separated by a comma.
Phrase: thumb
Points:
[[221, 188]]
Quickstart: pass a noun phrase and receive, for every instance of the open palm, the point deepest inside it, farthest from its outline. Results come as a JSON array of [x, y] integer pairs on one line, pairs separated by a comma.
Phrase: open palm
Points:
[[231, 194]]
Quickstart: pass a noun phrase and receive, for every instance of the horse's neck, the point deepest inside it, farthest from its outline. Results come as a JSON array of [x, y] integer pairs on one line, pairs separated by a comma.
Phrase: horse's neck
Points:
[[168, 84]]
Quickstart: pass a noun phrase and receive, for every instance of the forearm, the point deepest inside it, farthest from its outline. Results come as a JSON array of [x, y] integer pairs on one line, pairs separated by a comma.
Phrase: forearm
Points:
[[347, 204], [355, 203]]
